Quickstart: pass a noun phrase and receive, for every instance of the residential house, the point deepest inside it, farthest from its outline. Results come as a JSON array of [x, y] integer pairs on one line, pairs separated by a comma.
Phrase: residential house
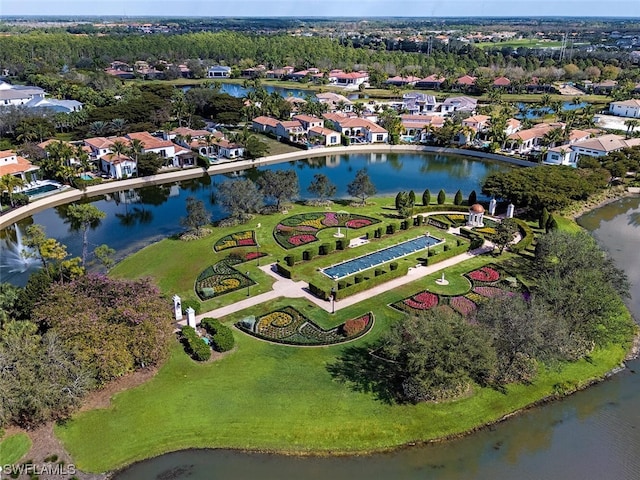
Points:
[[536, 85], [18, 94], [419, 127], [477, 123], [118, 166], [600, 88], [432, 82], [13, 164], [264, 124], [593, 147], [323, 136], [335, 101], [279, 73], [254, 72], [228, 149], [309, 121], [626, 108], [513, 125], [466, 83], [358, 130], [502, 83], [419, 103], [219, 71], [351, 79], [402, 81], [523, 141], [459, 104], [299, 75], [291, 130], [55, 105]]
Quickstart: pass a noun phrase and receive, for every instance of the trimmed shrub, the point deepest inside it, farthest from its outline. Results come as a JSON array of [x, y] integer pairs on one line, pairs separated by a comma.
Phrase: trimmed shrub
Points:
[[412, 198], [194, 345], [342, 284], [377, 232], [340, 244], [223, 340], [391, 229], [476, 242], [195, 304], [426, 197], [307, 255], [457, 200], [446, 247], [393, 266], [473, 198], [352, 327], [378, 272], [527, 236], [442, 197], [210, 325], [282, 270], [357, 279], [323, 249], [290, 260]]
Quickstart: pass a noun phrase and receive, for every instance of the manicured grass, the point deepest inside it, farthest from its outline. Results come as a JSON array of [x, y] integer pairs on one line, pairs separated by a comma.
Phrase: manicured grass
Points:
[[13, 448], [271, 397]]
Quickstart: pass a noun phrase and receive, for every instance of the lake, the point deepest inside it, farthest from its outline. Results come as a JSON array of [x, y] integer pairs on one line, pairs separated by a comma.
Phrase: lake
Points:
[[136, 218]]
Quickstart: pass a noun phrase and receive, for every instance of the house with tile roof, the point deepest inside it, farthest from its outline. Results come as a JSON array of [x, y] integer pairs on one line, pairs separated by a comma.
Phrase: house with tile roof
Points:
[[402, 81], [335, 101], [264, 124], [358, 130], [351, 79], [523, 141], [432, 82], [417, 103], [626, 108], [419, 127], [13, 164], [309, 121], [593, 147], [502, 82], [323, 136], [459, 104], [292, 130]]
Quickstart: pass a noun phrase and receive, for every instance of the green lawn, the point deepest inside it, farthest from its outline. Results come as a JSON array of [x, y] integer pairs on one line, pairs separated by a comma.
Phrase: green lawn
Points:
[[264, 396], [13, 448]]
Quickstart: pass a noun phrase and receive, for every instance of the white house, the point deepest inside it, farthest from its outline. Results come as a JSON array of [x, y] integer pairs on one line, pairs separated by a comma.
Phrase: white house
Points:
[[219, 71], [593, 147], [54, 105], [291, 130], [264, 124], [351, 79], [359, 130], [13, 164], [323, 136], [309, 121], [626, 108], [459, 104], [417, 103], [335, 101], [117, 166], [18, 94]]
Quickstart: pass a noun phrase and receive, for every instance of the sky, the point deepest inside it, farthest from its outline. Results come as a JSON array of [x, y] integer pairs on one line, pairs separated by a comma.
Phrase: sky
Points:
[[324, 8]]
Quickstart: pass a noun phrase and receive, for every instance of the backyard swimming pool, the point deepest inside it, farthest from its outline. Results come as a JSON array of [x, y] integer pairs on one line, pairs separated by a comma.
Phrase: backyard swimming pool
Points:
[[49, 187], [370, 260]]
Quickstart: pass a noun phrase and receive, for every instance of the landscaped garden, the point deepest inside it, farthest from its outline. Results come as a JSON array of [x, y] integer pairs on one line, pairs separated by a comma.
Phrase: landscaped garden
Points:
[[268, 396], [289, 326]]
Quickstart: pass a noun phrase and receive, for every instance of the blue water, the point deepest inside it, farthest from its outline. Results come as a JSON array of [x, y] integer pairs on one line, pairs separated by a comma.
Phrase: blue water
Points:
[[379, 257], [238, 91], [86, 176], [41, 189], [531, 113]]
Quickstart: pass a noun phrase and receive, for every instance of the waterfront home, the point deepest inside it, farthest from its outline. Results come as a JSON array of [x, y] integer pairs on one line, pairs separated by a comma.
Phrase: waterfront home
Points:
[[524, 141], [418, 128], [264, 124], [626, 108], [219, 71], [291, 130], [335, 101], [459, 104], [358, 130], [18, 94], [323, 136], [417, 103], [432, 82], [402, 81], [309, 121], [13, 164], [351, 79]]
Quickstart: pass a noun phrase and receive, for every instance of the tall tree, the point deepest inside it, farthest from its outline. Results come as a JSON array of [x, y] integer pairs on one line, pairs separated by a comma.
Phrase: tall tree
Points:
[[8, 183], [84, 217], [239, 198], [505, 232], [322, 187], [426, 197], [279, 185], [361, 187], [197, 215]]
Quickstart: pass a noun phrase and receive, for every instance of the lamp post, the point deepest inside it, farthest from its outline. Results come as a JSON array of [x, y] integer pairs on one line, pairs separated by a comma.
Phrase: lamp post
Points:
[[333, 300], [248, 285]]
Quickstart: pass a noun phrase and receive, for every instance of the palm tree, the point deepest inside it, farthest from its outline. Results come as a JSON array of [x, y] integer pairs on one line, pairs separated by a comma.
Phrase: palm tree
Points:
[[631, 125], [135, 149], [117, 125], [98, 128], [8, 183]]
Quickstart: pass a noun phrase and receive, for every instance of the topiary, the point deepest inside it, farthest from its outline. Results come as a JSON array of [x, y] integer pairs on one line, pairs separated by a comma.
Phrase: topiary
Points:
[[442, 197], [473, 198], [426, 197], [223, 340]]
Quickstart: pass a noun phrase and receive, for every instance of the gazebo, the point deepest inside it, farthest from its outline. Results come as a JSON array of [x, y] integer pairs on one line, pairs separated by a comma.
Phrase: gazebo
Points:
[[476, 215]]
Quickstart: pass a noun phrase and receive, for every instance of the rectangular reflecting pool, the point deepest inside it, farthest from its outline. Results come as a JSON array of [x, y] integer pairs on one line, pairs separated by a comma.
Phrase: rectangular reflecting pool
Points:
[[370, 260]]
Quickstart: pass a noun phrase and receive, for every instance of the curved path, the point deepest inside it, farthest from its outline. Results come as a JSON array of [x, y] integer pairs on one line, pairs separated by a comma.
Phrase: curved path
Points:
[[72, 195]]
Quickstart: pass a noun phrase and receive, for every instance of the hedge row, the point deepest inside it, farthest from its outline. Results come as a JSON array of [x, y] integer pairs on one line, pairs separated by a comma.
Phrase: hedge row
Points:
[[194, 345], [221, 335], [527, 236], [448, 252], [440, 208]]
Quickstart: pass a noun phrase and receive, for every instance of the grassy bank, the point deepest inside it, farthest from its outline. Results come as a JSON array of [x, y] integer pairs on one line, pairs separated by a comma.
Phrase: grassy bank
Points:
[[13, 448]]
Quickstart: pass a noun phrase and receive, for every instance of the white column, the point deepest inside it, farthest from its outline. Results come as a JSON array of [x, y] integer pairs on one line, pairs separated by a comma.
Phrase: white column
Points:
[[510, 210], [492, 206], [191, 317], [177, 307]]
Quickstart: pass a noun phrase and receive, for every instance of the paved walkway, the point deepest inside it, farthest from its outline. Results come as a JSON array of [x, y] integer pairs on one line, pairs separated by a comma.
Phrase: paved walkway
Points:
[[287, 288]]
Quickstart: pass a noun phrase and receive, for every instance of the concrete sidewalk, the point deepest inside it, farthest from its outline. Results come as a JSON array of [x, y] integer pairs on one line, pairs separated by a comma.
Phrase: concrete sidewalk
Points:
[[287, 288]]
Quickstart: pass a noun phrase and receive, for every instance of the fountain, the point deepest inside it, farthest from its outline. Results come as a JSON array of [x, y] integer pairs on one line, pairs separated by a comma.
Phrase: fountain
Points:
[[339, 234], [15, 256], [442, 281]]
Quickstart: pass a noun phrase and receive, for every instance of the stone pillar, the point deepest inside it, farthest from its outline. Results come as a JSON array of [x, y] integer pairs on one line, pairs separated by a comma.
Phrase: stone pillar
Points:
[[510, 210], [492, 206], [177, 307], [191, 317]]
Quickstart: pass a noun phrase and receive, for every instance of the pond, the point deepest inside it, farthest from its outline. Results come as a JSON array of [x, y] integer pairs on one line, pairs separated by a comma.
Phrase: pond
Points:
[[136, 218]]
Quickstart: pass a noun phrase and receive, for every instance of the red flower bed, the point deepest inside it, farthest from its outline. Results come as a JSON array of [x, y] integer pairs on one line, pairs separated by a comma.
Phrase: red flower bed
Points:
[[297, 240], [422, 301], [485, 274], [491, 292], [246, 242], [354, 326], [358, 223], [253, 255]]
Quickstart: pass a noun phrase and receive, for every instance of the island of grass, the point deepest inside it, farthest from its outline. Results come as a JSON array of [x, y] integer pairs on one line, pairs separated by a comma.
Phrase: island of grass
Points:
[[274, 397]]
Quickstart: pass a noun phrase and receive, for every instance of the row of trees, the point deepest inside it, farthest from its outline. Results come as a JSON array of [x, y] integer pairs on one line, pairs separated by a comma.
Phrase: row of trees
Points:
[[574, 307]]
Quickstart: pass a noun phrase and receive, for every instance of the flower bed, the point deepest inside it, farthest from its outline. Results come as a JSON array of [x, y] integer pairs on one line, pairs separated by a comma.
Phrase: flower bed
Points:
[[222, 277], [491, 292], [485, 274], [301, 229], [239, 239], [418, 302], [462, 305], [291, 327]]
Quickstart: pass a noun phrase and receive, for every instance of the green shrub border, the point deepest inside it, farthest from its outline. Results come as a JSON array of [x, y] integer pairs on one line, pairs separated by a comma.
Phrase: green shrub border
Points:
[[527, 236]]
